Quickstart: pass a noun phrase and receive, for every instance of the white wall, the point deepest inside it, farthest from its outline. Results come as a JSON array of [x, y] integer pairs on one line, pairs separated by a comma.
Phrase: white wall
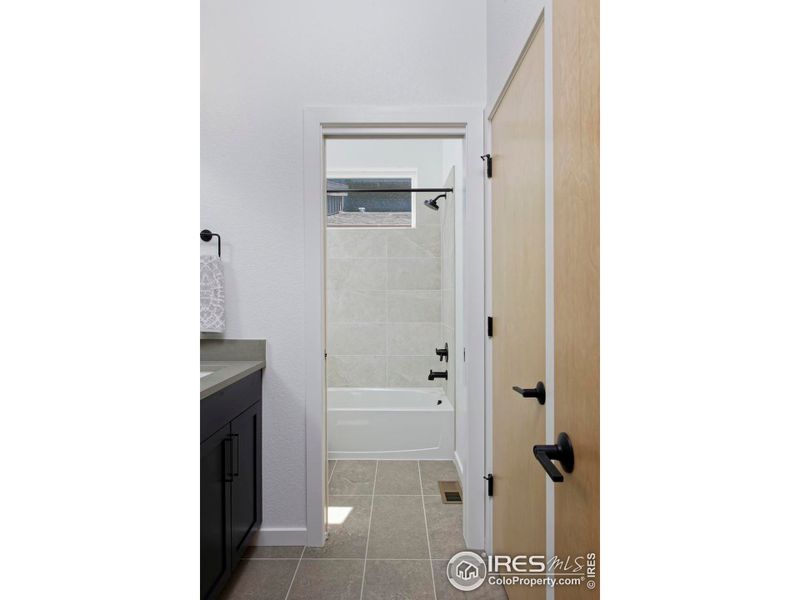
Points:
[[508, 25], [261, 63], [422, 155]]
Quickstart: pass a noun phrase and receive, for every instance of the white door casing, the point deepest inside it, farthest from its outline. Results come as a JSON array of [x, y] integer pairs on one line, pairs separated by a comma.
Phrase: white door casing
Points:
[[458, 121]]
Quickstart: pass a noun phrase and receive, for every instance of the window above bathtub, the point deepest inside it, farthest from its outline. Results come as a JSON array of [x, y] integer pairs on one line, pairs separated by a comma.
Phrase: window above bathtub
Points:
[[371, 209]]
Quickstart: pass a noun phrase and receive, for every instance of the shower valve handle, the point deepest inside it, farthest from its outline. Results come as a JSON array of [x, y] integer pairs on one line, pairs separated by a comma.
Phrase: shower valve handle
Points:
[[443, 353], [538, 392]]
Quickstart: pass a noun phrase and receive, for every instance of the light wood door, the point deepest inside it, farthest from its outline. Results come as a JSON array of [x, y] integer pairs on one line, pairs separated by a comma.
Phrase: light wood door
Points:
[[576, 215], [518, 307]]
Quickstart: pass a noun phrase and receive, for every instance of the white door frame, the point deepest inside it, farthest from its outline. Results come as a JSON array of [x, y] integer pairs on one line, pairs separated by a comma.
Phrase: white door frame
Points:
[[441, 121], [543, 22]]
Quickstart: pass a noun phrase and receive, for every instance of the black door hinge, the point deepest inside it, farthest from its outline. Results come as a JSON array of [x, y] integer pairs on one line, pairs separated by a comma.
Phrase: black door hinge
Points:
[[489, 484], [489, 326], [488, 159]]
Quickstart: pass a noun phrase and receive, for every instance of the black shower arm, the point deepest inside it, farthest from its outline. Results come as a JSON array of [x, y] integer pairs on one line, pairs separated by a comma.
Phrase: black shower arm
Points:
[[381, 190]]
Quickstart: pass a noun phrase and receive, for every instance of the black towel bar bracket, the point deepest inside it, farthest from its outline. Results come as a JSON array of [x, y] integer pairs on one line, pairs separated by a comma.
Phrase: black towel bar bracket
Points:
[[206, 236]]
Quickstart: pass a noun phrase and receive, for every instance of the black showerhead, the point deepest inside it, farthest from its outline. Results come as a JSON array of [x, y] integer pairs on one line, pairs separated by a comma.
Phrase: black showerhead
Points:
[[432, 204]]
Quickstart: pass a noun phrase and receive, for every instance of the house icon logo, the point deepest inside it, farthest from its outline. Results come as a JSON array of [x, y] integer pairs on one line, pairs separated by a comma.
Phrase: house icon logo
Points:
[[466, 571]]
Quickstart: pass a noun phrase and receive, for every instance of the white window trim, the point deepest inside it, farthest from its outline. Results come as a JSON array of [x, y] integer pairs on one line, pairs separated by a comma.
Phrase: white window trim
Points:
[[379, 173]]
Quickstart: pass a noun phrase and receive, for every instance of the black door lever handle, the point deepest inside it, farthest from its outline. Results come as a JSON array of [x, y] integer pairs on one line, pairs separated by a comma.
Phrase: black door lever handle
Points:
[[560, 451], [538, 392]]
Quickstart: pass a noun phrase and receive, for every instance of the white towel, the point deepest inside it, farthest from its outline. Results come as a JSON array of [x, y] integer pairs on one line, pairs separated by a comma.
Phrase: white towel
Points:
[[212, 295]]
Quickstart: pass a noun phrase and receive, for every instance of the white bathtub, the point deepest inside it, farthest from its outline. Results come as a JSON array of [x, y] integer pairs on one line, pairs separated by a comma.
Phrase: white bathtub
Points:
[[389, 423]]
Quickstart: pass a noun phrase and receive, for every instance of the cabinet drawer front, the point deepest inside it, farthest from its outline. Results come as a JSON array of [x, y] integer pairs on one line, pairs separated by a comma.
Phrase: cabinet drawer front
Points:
[[221, 408]]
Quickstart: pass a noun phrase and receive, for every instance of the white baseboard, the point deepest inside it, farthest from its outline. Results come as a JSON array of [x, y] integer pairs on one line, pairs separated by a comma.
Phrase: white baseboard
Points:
[[280, 536], [459, 468]]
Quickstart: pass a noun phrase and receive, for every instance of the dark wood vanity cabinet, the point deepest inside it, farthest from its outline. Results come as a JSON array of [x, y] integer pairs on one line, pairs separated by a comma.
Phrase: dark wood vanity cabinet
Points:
[[230, 479], [215, 512], [246, 485]]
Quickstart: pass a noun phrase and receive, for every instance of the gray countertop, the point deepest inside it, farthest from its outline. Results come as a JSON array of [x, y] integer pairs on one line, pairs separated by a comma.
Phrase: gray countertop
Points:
[[228, 361], [224, 373]]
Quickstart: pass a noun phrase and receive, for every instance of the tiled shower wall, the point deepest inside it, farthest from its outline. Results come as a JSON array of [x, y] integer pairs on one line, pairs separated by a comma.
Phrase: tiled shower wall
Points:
[[448, 248], [384, 311]]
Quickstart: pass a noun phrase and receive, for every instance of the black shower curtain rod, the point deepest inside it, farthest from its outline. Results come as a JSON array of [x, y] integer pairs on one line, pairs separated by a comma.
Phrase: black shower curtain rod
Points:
[[362, 190]]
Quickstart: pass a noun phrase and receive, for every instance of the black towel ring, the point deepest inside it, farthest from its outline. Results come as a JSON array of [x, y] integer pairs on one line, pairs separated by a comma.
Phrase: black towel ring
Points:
[[206, 236]]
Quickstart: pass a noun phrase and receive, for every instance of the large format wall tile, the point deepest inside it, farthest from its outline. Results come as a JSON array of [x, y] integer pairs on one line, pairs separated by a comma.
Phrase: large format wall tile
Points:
[[414, 306], [414, 274], [349, 306], [356, 371], [449, 386], [385, 300], [356, 243], [422, 241], [356, 339], [356, 274], [448, 284], [448, 309], [412, 371], [413, 339]]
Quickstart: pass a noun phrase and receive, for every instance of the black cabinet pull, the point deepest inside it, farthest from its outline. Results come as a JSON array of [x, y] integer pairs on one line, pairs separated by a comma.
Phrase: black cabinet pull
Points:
[[226, 458], [443, 353], [236, 471], [538, 392], [560, 451]]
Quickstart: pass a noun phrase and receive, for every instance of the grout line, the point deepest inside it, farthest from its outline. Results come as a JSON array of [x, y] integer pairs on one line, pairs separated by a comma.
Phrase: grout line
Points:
[[330, 475], [386, 338], [427, 534], [256, 558], [369, 527], [296, 569]]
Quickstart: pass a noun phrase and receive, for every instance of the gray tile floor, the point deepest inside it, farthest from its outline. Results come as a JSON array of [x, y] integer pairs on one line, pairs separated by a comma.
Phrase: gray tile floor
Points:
[[390, 537]]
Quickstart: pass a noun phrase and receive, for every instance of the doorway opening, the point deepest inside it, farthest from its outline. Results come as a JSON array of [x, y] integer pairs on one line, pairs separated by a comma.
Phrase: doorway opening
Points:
[[391, 339], [390, 304], [394, 306]]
